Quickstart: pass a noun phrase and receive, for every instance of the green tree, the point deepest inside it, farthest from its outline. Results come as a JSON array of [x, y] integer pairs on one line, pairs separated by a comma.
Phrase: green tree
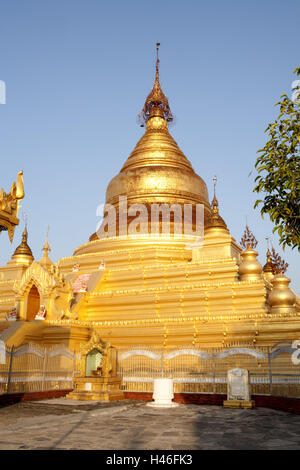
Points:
[[278, 167]]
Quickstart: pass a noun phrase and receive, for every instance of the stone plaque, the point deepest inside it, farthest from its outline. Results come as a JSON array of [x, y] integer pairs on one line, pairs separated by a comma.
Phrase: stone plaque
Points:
[[238, 384]]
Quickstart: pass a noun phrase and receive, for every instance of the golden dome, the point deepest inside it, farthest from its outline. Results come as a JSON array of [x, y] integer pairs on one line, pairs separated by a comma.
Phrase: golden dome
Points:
[[250, 268], [281, 298], [157, 171], [23, 253]]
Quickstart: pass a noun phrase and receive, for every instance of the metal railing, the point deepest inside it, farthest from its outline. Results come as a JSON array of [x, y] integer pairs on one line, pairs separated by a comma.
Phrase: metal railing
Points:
[[32, 368], [197, 370]]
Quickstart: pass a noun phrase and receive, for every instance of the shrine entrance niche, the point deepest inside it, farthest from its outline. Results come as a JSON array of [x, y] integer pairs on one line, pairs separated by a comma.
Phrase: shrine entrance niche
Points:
[[93, 362], [98, 379], [33, 303]]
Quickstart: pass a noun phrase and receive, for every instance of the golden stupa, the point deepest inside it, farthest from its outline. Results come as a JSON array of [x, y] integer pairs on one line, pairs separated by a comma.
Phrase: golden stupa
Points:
[[151, 287]]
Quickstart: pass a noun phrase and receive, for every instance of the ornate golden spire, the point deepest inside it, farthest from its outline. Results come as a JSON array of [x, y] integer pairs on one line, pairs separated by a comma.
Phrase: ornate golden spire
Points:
[[268, 267], [156, 100], [215, 221], [215, 200], [46, 248], [45, 260], [23, 253]]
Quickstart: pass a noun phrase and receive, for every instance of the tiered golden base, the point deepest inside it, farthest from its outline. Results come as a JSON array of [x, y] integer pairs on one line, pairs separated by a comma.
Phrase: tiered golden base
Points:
[[239, 404], [97, 388]]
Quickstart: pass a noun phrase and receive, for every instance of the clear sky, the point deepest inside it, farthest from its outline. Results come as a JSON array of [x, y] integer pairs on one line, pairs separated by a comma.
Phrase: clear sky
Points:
[[77, 74]]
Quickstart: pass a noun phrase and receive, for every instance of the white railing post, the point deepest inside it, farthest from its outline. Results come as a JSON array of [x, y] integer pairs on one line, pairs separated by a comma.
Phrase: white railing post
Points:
[[44, 369], [117, 362], [214, 372], [270, 371], [10, 369], [74, 363]]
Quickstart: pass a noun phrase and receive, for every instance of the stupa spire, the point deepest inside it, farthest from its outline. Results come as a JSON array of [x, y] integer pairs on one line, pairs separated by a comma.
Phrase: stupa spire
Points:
[[45, 260], [46, 248], [214, 202], [268, 267], [23, 252], [156, 102], [215, 221]]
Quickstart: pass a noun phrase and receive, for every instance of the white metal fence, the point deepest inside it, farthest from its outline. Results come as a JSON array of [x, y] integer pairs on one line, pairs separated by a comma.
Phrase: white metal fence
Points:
[[32, 368], [198, 370]]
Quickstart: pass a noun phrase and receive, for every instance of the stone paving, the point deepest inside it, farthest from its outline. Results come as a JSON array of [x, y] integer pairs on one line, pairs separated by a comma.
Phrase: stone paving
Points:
[[66, 424]]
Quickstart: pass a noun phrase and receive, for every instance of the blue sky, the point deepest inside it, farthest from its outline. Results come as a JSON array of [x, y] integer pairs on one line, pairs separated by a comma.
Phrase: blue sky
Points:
[[77, 74]]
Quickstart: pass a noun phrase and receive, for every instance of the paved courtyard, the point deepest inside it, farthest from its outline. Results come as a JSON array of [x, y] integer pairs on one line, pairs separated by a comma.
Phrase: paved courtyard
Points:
[[66, 424]]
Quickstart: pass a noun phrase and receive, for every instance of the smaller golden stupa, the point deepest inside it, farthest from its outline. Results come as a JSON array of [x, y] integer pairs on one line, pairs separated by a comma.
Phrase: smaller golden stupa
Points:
[[23, 254], [215, 222], [268, 268]]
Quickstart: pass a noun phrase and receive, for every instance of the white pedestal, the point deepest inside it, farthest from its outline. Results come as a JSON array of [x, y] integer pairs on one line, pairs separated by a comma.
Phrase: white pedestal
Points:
[[163, 394]]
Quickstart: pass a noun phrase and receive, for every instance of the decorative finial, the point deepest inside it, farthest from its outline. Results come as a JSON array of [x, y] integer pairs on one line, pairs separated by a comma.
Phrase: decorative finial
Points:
[[215, 220], [20, 186], [215, 183], [278, 264], [25, 231], [25, 218], [45, 261], [248, 240], [46, 248], [157, 61], [156, 103], [215, 200], [268, 267]]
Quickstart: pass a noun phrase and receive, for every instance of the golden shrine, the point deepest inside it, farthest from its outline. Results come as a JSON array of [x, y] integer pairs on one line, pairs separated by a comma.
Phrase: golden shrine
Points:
[[150, 287], [98, 372]]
